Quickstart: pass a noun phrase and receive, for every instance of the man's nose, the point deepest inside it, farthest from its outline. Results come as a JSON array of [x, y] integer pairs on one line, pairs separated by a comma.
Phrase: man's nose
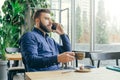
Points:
[[51, 21]]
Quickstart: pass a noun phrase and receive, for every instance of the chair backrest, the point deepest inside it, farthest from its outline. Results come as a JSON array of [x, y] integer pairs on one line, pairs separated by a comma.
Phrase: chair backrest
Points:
[[12, 50], [105, 56]]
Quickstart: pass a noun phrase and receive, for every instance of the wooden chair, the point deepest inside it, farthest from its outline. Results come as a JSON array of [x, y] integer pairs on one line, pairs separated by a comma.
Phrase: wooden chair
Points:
[[10, 50], [14, 69], [104, 56]]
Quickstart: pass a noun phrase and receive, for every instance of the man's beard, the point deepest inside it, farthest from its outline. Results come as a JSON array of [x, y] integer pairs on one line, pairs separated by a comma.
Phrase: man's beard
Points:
[[43, 27]]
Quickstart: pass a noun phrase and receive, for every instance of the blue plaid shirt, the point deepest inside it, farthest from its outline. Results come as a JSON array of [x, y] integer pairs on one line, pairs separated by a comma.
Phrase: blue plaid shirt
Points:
[[40, 51]]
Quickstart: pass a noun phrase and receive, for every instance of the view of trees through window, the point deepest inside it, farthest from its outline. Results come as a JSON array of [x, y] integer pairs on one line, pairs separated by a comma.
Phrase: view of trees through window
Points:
[[107, 24], [82, 21], [101, 23], [82, 24]]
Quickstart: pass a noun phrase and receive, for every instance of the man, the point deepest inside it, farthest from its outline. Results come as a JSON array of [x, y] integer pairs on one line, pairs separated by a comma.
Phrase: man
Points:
[[39, 51]]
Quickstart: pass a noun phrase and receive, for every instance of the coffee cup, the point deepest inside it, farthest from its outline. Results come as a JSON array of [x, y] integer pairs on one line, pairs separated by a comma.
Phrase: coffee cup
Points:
[[79, 55]]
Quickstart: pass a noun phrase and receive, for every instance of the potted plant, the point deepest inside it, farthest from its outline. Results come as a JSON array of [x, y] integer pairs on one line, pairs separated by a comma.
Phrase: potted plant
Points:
[[8, 37], [3, 62], [11, 22], [9, 31]]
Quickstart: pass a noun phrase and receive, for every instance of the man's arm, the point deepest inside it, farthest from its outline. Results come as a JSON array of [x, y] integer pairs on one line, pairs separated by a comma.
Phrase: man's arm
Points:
[[66, 46]]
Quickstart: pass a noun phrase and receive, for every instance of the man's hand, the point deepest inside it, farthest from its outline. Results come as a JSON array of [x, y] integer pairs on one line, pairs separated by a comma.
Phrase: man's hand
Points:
[[66, 57], [59, 29]]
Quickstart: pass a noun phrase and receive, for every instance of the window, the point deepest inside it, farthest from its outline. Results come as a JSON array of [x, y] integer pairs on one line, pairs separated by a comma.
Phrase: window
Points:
[[106, 28], [61, 15], [82, 24], [107, 25]]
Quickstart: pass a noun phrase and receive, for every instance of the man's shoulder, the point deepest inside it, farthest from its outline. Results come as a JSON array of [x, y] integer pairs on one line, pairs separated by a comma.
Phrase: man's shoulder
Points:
[[29, 34]]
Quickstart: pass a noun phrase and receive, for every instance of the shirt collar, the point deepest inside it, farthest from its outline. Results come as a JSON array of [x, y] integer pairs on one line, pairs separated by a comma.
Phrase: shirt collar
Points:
[[40, 32]]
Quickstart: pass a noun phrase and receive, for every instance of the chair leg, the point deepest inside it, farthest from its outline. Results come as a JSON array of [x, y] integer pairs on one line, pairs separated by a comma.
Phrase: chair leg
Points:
[[76, 63], [117, 63], [10, 75], [98, 64], [8, 64], [92, 61], [16, 63], [24, 76]]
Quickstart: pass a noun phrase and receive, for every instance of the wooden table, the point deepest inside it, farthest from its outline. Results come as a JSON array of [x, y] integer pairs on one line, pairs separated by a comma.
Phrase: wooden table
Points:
[[14, 56], [95, 74]]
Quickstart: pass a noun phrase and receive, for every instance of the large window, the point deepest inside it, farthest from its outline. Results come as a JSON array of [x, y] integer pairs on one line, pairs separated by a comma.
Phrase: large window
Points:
[[105, 25], [82, 25]]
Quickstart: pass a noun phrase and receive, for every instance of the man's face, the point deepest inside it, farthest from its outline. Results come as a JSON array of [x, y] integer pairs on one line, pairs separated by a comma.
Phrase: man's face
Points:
[[45, 22]]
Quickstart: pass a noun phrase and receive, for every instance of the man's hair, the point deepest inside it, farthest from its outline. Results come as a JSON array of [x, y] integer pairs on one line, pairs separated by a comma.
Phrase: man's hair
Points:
[[38, 12]]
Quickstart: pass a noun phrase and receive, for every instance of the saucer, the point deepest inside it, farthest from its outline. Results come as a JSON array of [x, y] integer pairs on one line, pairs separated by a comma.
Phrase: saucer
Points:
[[83, 70]]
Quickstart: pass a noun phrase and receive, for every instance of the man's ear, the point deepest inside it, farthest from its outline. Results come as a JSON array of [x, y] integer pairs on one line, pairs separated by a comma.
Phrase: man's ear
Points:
[[37, 21]]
